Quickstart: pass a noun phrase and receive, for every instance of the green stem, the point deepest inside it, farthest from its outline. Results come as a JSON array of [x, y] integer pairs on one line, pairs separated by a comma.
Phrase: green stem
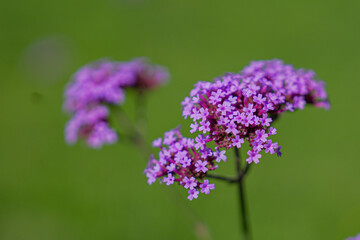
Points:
[[224, 178], [243, 210], [141, 120], [136, 136]]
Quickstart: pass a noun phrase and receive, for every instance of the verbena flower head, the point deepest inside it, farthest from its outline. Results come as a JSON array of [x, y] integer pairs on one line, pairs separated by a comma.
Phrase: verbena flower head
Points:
[[354, 238], [103, 83], [181, 161], [241, 106]]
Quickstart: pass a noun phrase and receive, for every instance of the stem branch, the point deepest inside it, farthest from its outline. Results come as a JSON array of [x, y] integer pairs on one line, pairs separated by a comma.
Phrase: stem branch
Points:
[[224, 178]]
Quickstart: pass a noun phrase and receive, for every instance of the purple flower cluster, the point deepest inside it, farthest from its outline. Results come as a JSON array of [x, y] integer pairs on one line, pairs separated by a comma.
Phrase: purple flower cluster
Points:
[[103, 83], [354, 238], [241, 106], [91, 124], [180, 162]]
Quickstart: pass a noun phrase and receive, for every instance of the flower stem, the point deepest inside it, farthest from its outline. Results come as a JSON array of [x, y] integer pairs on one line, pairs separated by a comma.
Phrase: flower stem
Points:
[[224, 178], [243, 210], [132, 133], [141, 119], [136, 136]]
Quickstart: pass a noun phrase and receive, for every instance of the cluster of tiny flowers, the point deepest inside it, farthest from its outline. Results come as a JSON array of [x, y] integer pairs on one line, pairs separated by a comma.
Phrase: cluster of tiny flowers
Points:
[[354, 238], [180, 162], [241, 106], [100, 84], [91, 124]]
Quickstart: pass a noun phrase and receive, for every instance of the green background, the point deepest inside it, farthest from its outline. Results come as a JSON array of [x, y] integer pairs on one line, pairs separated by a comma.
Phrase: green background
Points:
[[49, 190]]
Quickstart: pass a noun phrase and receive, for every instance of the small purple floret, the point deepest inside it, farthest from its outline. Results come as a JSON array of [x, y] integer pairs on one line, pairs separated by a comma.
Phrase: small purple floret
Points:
[[206, 187], [193, 193]]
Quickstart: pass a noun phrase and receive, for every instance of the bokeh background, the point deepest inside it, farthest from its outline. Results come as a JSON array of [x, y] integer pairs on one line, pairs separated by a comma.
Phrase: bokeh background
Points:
[[49, 190]]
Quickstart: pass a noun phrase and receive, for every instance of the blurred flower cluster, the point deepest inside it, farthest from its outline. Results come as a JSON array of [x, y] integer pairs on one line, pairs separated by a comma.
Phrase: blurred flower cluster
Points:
[[357, 237], [96, 86], [234, 108]]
